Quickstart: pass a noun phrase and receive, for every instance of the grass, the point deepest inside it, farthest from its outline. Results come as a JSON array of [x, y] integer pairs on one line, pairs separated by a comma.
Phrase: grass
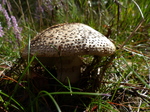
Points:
[[124, 78]]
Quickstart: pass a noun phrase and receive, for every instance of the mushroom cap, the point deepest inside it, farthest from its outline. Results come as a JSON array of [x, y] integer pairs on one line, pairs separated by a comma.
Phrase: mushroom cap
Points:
[[69, 39]]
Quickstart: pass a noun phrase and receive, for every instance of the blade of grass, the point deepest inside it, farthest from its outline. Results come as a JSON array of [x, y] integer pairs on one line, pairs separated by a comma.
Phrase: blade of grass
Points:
[[2, 93], [148, 66], [59, 93], [139, 9], [68, 88], [69, 84], [79, 93], [48, 94], [138, 76], [136, 28], [21, 77]]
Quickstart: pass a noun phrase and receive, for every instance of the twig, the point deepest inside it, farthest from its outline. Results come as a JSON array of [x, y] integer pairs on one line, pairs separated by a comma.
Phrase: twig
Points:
[[130, 36]]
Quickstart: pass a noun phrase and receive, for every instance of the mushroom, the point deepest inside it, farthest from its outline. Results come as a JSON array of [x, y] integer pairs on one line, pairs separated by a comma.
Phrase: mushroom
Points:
[[61, 45]]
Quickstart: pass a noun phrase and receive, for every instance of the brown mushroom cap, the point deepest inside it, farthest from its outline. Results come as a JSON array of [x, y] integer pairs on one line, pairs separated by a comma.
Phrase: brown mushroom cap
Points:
[[70, 40]]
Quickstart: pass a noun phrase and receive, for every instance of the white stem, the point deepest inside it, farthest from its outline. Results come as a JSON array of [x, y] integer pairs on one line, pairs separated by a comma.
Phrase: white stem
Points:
[[69, 68]]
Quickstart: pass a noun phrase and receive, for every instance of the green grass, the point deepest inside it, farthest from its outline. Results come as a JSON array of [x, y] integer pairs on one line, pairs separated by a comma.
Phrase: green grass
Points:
[[124, 83]]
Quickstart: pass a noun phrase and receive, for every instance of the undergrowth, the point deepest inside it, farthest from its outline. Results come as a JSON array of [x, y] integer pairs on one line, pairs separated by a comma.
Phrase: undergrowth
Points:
[[120, 82]]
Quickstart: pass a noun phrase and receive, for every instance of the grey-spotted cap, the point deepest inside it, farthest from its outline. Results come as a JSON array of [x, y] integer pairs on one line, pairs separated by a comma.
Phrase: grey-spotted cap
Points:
[[69, 39]]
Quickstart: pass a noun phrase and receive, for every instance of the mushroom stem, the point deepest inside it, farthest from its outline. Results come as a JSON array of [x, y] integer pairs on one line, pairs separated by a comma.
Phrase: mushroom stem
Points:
[[69, 68]]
